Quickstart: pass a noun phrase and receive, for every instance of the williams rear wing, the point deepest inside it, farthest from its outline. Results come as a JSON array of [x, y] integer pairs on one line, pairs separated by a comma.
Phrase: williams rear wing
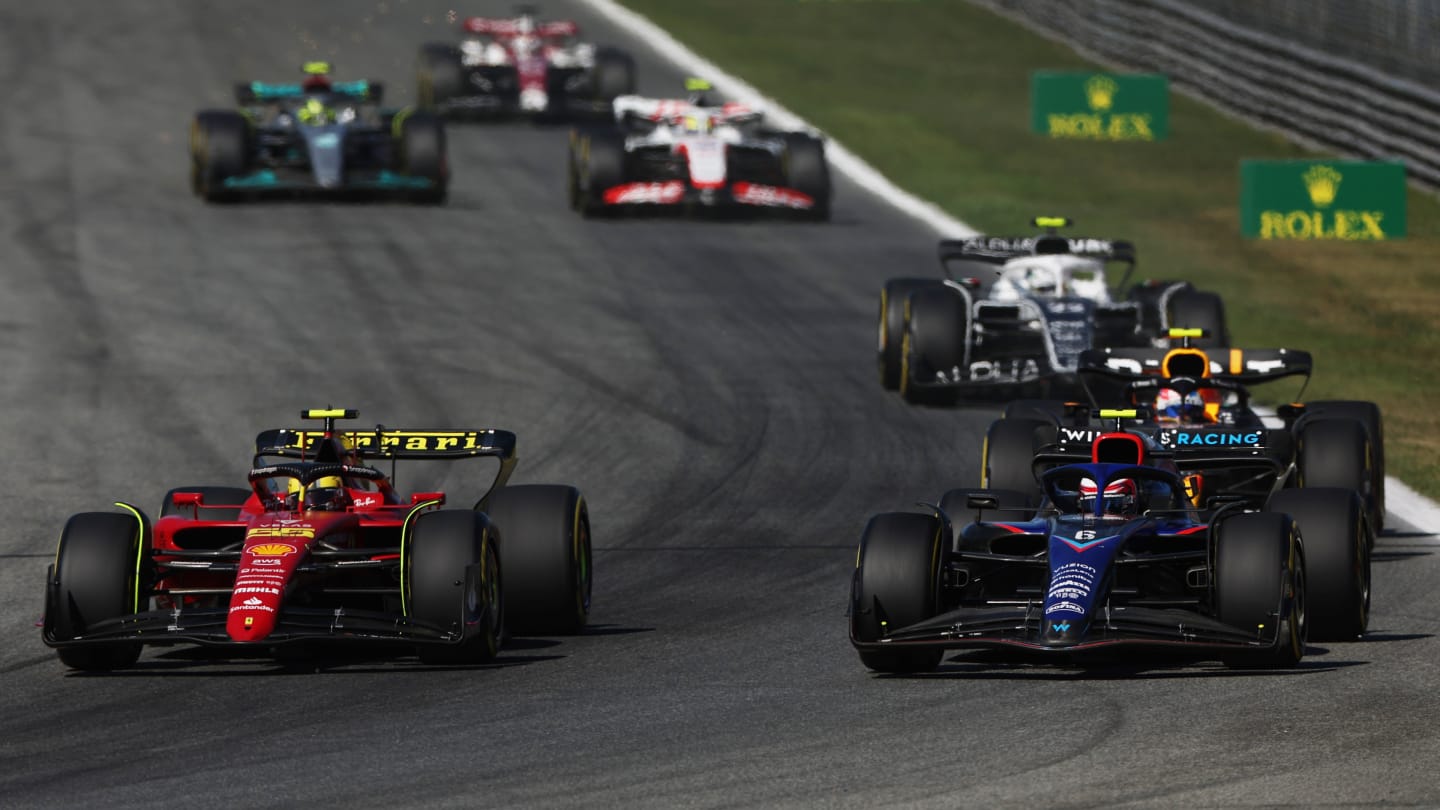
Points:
[[1243, 366]]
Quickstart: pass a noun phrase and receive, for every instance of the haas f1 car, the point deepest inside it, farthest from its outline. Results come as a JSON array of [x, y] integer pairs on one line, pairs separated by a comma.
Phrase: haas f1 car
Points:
[[321, 548], [317, 137], [682, 154], [523, 65], [1118, 558], [1022, 321]]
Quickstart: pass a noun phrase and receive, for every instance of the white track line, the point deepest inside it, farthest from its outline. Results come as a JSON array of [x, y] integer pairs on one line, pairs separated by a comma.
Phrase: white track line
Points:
[[1400, 500]]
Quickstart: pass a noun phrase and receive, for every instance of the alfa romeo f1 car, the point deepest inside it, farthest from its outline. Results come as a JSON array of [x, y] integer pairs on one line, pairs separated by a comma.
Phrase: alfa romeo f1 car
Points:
[[690, 153], [1023, 321], [317, 137], [523, 65], [322, 548], [1118, 559]]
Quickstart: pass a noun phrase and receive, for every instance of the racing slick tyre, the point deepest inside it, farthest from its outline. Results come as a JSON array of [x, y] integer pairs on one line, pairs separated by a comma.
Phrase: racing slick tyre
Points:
[[807, 172], [1259, 576], [1337, 545], [440, 75], [1012, 506], [225, 500], [94, 579], [1195, 309], [455, 581], [219, 150], [614, 74], [896, 583], [1338, 453], [1368, 413], [597, 163], [1006, 459], [937, 323], [545, 534], [892, 325], [422, 154]]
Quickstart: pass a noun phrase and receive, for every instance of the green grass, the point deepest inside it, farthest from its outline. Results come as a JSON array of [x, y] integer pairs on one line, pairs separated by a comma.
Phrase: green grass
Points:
[[935, 94]]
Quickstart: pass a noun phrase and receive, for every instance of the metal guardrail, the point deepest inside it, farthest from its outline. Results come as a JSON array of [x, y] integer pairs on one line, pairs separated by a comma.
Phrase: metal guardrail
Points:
[[1315, 94]]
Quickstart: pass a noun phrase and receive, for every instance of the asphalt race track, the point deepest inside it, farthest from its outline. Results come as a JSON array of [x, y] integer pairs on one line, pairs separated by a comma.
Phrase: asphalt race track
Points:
[[710, 387]]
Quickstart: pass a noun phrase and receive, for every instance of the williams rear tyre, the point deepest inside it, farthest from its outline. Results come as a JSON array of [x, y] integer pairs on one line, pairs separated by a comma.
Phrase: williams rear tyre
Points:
[[455, 582], [1011, 506], [597, 164], [439, 74], [1336, 539], [95, 579], [422, 155], [1196, 309], [1368, 414], [1338, 452], [892, 326], [807, 172], [614, 74], [1052, 409], [219, 151], [1007, 459], [1259, 584], [937, 324], [545, 537], [219, 503], [896, 584]]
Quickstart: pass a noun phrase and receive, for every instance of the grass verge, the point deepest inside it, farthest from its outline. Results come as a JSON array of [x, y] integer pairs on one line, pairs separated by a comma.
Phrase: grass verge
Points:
[[935, 94]]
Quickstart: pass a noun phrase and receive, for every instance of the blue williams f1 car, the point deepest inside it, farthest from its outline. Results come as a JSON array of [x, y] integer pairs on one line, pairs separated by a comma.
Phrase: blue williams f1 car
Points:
[[1117, 557], [317, 137]]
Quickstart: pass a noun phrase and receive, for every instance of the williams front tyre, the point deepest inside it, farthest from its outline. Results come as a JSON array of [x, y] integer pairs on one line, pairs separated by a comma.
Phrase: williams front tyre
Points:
[[896, 584]]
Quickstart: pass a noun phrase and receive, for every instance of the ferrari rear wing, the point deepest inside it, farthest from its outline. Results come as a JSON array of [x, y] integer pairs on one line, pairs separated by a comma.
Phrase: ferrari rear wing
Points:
[[394, 444]]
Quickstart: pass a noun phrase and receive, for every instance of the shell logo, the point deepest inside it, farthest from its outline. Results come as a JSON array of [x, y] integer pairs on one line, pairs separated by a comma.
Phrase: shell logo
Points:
[[272, 549]]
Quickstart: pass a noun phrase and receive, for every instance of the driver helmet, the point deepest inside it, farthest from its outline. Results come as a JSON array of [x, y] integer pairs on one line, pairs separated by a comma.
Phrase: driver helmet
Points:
[[697, 124], [326, 494], [313, 112], [1174, 408], [1120, 498], [698, 92]]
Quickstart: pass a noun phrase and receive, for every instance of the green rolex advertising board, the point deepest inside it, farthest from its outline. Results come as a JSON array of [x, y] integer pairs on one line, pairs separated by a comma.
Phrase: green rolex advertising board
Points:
[[1100, 106], [1322, 199]]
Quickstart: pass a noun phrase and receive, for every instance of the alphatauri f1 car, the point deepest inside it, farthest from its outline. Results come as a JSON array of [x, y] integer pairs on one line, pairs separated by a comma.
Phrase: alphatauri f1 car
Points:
[[684, 154], [317, 137], [322, 549], [1022, 319]]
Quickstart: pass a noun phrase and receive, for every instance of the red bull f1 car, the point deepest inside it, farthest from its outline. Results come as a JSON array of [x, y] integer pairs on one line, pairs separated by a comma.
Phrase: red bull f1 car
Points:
[[688, 154], [322, 549], [523, 65]]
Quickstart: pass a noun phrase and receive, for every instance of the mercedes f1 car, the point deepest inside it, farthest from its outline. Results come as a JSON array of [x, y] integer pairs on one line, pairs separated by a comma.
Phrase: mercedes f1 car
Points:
[[523, 65], [317, 137], [322, 548], [690, 153], [1022, 322], [1118, 558]]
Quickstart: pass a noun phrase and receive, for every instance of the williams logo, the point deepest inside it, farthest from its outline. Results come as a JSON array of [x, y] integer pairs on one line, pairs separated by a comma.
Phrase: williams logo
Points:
[[1060, 627], [1100, 106], [1347, 200]]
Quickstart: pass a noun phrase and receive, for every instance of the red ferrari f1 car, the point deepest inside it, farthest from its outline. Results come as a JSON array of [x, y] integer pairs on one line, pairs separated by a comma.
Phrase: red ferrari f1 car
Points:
[[322, 548]]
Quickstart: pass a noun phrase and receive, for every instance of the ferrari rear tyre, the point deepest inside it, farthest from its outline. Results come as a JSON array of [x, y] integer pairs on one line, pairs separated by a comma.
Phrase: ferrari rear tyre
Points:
[[1336, 539], [545, 537], [1368, 414], [1196, 309], [455, 582], [1006, 461], [440, 75], [892, 325], [227, 499], [896, 584], [94, 580], [219, 151], [807, 172], [422, 154], [1260, 587]]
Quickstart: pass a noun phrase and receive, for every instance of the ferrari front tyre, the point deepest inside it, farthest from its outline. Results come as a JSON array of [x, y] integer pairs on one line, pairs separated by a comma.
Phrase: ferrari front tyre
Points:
[[1195, 309], [807, 172], [1259, 586], [892, 325], [440, 75], [1336, 539], [454, 582], [95, 580], [1368, 414], [896, 584], [1007, 458], [219, 151], [545, 537], [220, 503], [422, 154]]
